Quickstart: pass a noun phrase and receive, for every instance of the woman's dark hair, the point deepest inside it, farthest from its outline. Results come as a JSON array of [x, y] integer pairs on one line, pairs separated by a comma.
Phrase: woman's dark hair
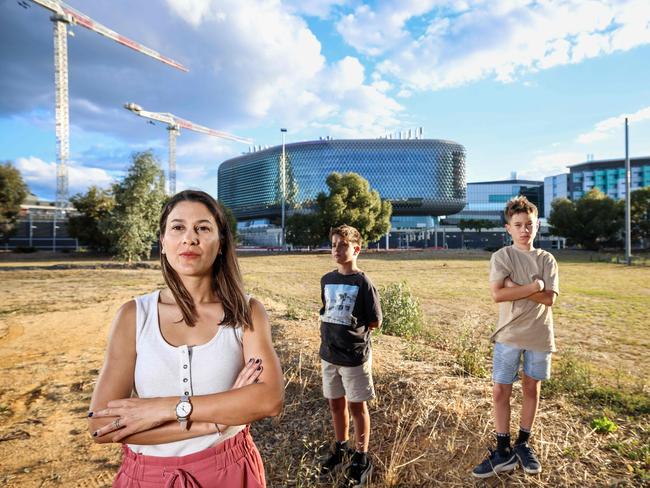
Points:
[[227, 282]]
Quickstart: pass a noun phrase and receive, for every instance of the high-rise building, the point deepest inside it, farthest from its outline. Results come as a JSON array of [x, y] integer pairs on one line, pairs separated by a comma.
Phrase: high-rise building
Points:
[[608, 176], [556, 186], [487, 199], [422, 178]]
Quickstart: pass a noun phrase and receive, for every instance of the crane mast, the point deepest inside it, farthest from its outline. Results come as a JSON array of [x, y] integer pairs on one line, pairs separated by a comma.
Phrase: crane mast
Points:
[[61, 110], [63, 15], [174, 125]]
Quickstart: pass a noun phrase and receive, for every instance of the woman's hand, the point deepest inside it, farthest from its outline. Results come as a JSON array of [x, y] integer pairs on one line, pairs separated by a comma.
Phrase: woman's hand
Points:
[[247, 376], [135, 415]]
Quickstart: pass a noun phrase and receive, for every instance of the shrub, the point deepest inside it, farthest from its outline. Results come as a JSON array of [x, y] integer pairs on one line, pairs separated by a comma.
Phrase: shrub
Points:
[[571, 377], [470, 353], [401, 310]]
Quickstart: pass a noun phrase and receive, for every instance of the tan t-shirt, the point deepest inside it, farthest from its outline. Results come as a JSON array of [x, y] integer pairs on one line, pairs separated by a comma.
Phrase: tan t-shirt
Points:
[[525, 324]]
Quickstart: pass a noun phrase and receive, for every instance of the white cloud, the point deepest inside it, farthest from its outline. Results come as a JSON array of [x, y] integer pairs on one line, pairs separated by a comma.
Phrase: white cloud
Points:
[[313, 8], [500, 39], [374, 32], [275, 64], [612, 126], [549, 164], [42, 175]]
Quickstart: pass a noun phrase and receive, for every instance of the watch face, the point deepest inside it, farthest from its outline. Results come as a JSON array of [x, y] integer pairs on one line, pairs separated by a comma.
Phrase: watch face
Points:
[[183, 409]]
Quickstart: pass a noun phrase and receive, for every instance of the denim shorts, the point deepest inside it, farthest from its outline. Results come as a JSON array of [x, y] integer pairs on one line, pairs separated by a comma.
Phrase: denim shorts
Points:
[[506, 360]]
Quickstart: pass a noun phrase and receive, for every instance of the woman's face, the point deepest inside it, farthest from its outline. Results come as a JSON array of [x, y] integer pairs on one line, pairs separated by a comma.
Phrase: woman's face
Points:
[[191, 241]]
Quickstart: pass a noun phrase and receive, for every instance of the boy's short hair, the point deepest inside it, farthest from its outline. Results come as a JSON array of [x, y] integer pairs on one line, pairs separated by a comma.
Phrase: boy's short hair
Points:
[[347, 232], [517, 205]]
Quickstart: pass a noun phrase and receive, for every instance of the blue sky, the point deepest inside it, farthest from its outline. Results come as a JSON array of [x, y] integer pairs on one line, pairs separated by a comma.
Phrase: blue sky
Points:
[[526, 86]]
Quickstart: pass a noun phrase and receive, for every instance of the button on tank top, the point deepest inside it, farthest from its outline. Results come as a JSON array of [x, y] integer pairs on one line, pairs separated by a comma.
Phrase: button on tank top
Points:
[[163, 370]]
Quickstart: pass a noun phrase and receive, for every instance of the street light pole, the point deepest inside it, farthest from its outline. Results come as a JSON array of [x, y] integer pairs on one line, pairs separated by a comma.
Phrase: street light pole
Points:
[[283, 170], [628, 224]]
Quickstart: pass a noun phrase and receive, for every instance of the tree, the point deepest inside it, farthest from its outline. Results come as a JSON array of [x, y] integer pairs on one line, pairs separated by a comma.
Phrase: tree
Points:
[[305, 230], [351, 201], [640, 214], [133, 224], [592, 222], [230, 218], [562, 218], [90, 226], [13, 191]]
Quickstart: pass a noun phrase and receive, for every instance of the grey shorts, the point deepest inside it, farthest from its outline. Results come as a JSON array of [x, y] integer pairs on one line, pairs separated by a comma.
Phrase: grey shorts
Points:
[[506, 360], [353, 382]]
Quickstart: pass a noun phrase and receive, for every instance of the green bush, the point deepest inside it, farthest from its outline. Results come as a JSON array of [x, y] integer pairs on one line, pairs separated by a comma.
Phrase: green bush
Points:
[[469, 354], [603, 425], [401, 310], [571, 376]]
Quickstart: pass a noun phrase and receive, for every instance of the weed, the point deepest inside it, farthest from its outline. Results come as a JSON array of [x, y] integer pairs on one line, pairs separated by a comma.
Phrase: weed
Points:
[[402, 314], [571, 377], [293, 313], [469, 351], [604, 425]]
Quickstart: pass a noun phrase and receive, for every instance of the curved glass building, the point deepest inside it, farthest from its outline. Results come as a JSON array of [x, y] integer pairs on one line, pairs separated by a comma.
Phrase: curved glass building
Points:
[[421, 177]]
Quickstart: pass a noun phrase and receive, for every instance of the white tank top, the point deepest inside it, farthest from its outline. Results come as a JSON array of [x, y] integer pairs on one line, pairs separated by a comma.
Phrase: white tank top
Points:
[[163, 370]]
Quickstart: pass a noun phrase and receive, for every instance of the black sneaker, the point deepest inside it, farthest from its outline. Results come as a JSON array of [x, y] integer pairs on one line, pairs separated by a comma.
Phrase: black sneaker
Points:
[[495, 463], [334, 461], [527, 458], [357, 475]]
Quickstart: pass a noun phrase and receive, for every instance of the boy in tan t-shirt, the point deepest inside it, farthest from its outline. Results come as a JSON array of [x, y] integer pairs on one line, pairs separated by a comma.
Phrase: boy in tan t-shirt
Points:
[[524, 282]]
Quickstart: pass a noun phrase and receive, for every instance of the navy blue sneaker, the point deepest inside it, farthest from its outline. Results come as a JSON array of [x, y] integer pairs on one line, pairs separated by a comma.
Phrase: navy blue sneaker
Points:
[[357, 475], [495, 463], [336, 460], [527, 458]]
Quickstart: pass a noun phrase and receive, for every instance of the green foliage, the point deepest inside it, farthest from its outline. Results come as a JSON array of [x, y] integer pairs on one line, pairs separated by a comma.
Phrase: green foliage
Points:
[[305, 230], [13, 191], [570, 376], [592, 222], [402, 314], [640, 214], [603, 425], [133, 224], [95, 207], [469, 353], [232, 221], [351, 201]]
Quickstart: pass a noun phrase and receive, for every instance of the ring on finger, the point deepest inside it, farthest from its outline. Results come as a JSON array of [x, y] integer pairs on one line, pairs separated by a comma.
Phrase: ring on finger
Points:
[[116, 423]]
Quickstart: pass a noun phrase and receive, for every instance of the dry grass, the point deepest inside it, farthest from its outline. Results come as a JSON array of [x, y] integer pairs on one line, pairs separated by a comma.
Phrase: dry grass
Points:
[[430, 423]]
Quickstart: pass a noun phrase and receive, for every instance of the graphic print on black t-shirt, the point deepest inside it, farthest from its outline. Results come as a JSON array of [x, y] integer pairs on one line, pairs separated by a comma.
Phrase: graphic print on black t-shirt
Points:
[[339, 303], [350, 305]]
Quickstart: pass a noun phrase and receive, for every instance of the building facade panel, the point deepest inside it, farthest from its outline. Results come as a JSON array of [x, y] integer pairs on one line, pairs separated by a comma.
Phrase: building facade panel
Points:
[[608, 176], [418, 176]]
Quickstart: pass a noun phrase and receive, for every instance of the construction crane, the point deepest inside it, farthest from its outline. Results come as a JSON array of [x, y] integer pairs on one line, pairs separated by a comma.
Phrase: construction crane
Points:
[[63, 15], [174, 125]]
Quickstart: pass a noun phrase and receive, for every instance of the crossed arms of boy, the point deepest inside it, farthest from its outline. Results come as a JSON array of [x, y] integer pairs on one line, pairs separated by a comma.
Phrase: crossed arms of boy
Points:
[[509, 291]]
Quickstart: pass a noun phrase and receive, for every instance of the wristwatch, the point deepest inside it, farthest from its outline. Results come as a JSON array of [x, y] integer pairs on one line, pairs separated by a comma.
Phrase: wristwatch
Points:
[[183, 411]]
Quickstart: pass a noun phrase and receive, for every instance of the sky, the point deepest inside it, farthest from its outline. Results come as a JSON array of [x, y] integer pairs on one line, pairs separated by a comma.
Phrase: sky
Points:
[[525, 86]]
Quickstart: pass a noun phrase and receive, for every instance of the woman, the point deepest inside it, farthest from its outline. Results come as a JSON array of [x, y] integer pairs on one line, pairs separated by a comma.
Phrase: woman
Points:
[[193, 354]]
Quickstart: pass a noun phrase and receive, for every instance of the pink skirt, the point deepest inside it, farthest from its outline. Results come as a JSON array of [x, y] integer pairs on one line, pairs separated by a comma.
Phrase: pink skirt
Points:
[[235, 463]]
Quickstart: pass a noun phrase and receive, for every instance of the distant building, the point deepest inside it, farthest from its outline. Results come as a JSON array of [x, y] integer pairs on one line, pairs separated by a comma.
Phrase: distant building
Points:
[[487, 199], [38, 228], [556, 186], [608, 176], [422, 178]]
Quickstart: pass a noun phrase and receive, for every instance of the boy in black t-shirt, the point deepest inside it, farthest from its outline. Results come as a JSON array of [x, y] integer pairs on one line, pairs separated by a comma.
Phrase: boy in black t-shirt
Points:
[[350, 311]]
